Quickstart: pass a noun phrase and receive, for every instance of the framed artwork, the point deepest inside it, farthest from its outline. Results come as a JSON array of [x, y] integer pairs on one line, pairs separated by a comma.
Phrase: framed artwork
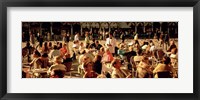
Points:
[[32, 30]]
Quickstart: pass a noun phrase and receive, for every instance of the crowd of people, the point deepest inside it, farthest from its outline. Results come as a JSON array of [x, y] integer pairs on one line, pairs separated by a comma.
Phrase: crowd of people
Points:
[[137, 58]]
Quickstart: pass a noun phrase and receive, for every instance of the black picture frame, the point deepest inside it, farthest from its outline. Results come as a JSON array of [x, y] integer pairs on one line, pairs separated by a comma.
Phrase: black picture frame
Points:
[[98, 3]]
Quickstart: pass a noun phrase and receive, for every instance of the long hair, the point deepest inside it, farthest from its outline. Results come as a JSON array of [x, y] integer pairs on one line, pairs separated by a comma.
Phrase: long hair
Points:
[[45, 47]]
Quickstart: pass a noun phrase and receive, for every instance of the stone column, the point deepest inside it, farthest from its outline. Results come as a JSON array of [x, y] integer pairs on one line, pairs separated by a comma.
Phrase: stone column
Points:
[[71, 29], [90, 27], [144, 27], [51, 28], [109, 27], [135, 27], [168, 28], [99, 27], [29, 27], [81, 29], [160, 26], [40, 28]]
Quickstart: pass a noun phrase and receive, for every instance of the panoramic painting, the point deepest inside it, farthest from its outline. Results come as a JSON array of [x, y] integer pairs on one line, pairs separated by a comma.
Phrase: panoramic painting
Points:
[[99, 49]]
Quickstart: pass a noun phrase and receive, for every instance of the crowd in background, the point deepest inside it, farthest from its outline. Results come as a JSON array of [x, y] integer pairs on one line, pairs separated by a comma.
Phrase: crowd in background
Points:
[[154, 56]]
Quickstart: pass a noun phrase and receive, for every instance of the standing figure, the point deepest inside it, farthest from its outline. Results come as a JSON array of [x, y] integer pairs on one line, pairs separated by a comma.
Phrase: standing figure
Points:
[[32, 39], [64, 37], [161, 42], [41, 40], [123, 36], [48, 36], [104, 35], [111, 43], [87, 39], [136, 37], [76, 37], [166, 41], [67, 37]]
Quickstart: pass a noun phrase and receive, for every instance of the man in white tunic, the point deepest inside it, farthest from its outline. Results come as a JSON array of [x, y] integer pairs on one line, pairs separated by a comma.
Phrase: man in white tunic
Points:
[[76, 37], [111, 43]]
